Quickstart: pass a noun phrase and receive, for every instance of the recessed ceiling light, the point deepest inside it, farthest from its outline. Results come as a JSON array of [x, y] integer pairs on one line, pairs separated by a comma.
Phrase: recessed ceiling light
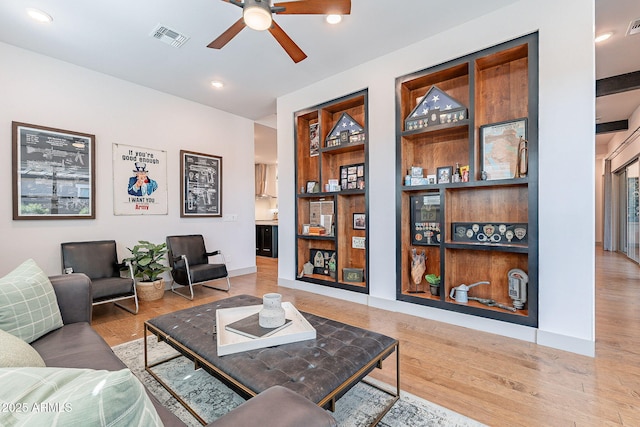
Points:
[[334, 19], [602, 37], [39, 15], [217, 84]]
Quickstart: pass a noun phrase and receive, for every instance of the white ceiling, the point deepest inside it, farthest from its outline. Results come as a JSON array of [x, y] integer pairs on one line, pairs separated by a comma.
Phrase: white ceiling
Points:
[[113, 37]]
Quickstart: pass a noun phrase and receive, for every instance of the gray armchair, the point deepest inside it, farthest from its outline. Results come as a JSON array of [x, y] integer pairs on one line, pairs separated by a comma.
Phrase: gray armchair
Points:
[[189, 262], [99, 261]]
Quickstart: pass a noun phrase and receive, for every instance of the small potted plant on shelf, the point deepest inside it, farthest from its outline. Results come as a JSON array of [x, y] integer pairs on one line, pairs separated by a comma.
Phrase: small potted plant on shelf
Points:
[[147, 268], [434, 284]]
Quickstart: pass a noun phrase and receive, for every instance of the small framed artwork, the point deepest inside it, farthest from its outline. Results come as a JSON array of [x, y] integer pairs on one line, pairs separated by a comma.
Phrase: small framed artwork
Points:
[[53, 173], [313, 187], [499, 147], [359, 221], [444, 174], [201, 184], [314, 140], [358, 242], [432, 179], [305, 228]]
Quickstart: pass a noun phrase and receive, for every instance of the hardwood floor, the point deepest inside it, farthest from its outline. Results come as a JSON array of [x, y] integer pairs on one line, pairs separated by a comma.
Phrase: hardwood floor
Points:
[[496, 380]]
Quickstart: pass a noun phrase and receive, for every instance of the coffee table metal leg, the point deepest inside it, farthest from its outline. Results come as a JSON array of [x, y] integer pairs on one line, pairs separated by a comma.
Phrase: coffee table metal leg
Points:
[[396, 395], [147, 367]]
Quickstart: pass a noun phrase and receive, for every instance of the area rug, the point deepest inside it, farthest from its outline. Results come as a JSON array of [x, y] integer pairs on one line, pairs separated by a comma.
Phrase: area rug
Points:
[[212, 399]]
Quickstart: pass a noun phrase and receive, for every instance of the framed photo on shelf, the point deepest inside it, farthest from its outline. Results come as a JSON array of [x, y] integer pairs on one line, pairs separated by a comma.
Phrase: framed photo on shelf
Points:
[[352, 177], [359, 221], [499, 147], [313, 187], [53, 173], [444, 174], [201, 185], [314, 140]]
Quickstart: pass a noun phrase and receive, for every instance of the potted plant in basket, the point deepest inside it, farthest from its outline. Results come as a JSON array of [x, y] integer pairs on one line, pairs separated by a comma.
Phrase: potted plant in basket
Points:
[[434, 284], [147, 268]]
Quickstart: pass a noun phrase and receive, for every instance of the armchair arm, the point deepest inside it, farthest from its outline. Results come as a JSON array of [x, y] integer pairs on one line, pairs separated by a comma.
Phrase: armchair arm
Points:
[[268, 408], [73, 292]]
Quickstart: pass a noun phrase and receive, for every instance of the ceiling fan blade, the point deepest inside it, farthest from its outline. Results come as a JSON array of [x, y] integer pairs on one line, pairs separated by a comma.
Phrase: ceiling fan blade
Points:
[[315, 7], [226, 37], [287, 44]]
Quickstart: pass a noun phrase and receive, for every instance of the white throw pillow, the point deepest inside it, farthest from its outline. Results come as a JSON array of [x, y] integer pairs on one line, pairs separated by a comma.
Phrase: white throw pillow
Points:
[[15, 353], [65, 397], [28, 305]]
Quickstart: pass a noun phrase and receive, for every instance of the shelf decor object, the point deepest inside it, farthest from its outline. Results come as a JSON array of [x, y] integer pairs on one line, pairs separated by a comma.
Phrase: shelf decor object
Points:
[[436, 108], [479, 220], [345, 131], [490, 233], [425, 219]]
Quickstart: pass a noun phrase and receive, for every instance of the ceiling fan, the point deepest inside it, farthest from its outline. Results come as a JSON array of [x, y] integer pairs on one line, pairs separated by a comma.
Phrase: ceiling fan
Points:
[[257, 14]]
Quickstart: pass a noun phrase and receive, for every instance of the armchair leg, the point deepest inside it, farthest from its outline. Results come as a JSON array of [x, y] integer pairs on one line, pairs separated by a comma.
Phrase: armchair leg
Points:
[[190, 298], [220, 289], [130, 310]]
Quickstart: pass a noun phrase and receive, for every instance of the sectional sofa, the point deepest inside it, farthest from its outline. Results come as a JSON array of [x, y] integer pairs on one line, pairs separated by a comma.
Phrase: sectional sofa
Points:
[[79, 349]]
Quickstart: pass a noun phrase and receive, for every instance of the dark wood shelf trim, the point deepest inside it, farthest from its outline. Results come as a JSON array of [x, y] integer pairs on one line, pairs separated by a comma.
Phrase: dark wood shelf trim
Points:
[[487, 247]]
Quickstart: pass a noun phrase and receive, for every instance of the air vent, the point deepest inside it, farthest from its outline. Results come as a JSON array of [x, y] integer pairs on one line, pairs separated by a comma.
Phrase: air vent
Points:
[[169, 36], [634, 27]]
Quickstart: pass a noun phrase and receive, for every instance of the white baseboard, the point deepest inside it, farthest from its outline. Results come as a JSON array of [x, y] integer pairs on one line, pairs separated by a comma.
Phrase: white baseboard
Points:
[[324, 290], [506, 329], [483, 324], [567, 343], [241, 271]]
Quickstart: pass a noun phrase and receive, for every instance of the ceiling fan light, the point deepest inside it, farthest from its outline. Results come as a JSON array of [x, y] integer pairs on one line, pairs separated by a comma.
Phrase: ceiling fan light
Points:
[[257, 18]]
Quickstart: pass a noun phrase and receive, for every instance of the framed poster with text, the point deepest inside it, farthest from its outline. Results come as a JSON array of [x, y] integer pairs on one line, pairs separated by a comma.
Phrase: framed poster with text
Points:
[[201, 184], [139, 181], [53, 173]]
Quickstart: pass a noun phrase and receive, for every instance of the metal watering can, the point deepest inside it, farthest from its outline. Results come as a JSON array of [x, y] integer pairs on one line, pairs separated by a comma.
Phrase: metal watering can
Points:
[[461, 293]]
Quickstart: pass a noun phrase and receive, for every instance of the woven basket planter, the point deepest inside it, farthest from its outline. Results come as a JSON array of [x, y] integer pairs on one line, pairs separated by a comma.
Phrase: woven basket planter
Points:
[[150, 291]]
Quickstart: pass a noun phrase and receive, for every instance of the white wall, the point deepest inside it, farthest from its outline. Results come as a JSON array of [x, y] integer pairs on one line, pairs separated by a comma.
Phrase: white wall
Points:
[[39, 90], [566, 123]]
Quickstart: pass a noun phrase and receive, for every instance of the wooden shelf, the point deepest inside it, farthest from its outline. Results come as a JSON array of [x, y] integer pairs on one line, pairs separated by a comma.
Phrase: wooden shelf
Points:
[[326, 165], [495, 85], [356, 146]]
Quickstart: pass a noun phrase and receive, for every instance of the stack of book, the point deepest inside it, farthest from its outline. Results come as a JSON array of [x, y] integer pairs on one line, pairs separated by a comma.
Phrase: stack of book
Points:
[[317, 230]]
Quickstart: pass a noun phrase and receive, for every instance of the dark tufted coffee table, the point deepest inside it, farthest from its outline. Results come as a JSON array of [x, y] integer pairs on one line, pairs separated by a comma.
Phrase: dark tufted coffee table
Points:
[[321, 369]]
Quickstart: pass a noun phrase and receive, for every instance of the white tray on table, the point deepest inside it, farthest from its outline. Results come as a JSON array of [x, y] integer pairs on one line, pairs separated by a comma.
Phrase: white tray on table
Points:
[[231, 342]]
